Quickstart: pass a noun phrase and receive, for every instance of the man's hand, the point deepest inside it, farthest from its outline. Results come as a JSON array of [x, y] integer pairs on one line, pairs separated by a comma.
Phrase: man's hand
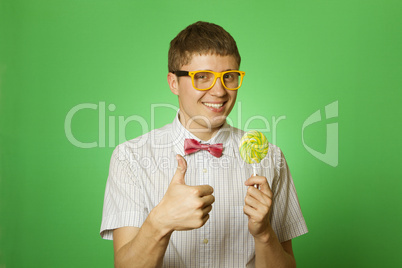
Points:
[[183, 207], [257, 207]]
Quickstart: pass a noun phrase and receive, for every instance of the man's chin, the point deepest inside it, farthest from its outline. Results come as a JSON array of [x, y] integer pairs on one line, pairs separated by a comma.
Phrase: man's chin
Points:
[[218, 121]]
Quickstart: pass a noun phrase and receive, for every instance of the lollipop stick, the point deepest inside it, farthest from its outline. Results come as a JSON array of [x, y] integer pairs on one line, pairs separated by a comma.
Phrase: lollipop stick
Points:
[[255, 173], [254, 169]]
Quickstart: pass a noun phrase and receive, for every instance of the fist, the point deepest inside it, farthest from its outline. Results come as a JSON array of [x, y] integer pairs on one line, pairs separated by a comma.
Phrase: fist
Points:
[[184, 207], [257, 206]]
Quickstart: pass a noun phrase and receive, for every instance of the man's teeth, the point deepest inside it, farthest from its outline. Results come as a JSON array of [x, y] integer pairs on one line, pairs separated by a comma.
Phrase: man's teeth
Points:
[[213, 105]]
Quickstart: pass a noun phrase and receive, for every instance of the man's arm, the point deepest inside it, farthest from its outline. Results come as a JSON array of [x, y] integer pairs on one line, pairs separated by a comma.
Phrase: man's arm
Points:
[[269, 252], [274, 254], [133, 245], [139, 247], [183, 207]]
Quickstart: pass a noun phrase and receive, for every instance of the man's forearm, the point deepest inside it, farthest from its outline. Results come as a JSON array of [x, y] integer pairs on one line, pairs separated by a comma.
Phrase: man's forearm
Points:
[[270, 253], [147, 249]]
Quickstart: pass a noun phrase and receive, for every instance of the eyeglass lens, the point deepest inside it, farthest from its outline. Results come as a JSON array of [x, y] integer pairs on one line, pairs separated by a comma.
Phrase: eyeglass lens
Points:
[[203, 80]]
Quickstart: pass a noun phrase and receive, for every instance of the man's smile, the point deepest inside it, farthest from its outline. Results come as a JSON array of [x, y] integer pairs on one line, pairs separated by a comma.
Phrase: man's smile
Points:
[[214, 105]]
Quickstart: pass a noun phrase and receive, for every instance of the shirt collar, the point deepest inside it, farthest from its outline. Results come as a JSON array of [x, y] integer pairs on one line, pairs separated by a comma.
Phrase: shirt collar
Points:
[[180, 133]]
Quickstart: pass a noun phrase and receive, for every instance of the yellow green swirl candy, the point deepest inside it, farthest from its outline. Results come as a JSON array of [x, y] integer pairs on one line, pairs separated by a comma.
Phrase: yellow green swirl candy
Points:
[[253, 146]]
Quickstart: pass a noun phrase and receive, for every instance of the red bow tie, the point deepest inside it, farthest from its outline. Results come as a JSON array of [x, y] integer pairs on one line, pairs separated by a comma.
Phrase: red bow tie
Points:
[[192, 146]]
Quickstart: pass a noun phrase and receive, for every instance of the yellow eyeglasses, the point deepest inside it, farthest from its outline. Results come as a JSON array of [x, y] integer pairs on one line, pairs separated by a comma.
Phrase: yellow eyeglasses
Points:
[[205, 80]]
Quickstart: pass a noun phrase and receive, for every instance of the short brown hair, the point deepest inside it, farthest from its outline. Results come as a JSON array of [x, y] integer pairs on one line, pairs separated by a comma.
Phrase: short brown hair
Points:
[[200, 38]]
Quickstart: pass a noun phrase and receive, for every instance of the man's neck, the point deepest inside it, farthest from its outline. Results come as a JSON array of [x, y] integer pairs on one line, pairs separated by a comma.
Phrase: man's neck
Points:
[[202, 135], [201, 132]]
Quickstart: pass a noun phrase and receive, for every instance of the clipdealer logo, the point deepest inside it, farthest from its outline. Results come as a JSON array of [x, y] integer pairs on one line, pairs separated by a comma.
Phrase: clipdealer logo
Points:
[[330, 156], [117, 126]]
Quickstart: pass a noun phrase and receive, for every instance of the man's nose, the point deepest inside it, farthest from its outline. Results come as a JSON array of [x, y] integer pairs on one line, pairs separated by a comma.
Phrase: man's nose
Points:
[[218, 89]]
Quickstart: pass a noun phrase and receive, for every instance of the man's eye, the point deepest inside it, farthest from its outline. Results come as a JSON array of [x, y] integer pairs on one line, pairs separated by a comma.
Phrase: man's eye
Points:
[[201, 76], [230, 76]]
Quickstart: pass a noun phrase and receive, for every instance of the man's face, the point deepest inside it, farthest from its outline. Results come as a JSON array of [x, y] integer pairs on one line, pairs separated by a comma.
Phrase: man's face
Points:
[[204, 112]]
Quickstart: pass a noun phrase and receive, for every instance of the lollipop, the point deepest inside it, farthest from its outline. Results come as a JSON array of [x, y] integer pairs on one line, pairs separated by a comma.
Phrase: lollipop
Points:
[[253, 148]]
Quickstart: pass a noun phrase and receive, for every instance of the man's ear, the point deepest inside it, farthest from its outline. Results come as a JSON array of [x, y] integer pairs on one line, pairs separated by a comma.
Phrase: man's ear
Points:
[[173, 83]]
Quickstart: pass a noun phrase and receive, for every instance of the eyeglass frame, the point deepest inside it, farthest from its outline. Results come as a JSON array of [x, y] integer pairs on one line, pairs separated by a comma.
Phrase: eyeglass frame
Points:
[[217, 75]]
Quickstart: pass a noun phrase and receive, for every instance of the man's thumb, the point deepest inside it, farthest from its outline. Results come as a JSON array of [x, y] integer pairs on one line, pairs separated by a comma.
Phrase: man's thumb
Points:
[[180, 171]]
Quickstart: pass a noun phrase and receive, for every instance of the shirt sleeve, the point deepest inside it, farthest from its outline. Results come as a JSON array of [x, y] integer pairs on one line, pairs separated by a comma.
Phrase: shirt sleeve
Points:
[[124, 202], [286, 219]]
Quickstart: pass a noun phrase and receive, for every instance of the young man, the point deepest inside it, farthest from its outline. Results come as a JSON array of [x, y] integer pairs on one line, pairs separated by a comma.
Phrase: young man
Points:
[[200, 210]]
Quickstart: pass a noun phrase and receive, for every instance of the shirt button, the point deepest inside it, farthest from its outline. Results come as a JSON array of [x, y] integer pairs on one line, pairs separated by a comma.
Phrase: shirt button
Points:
[[204, 170], [205, 241]]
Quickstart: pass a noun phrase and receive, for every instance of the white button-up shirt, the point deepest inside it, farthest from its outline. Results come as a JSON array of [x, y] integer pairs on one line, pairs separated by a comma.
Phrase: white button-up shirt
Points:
[[141, 170]]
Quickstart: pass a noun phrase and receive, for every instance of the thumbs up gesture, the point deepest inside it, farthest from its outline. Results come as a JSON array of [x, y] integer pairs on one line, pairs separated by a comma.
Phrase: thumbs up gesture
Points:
[[183, 207], [178, 177]]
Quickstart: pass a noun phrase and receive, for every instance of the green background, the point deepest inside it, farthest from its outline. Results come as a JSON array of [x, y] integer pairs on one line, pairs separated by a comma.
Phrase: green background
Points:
[[299, 56]]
